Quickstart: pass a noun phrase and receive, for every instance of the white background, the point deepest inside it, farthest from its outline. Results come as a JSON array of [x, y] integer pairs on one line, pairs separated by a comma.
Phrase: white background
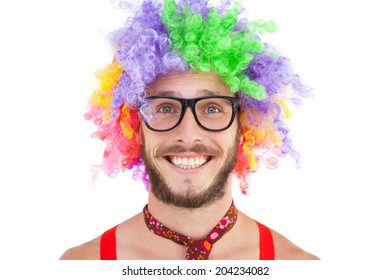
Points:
[[334, 206]]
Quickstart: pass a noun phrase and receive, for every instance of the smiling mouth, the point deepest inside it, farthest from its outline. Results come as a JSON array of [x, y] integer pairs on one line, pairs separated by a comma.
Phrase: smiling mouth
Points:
[[188, 162]]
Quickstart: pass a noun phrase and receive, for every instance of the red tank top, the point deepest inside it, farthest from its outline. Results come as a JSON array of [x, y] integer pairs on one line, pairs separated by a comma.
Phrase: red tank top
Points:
[[266, 243]]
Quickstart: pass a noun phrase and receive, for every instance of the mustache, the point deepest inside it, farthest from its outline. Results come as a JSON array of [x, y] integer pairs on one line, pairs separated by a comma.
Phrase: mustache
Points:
[[177, 149]]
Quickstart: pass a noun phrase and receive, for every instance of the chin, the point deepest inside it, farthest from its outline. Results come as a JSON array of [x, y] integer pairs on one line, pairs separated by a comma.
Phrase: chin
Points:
[[187, 195], [189, 189]]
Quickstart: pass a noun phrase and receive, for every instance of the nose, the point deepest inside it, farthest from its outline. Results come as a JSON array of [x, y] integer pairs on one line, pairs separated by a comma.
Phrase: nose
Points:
[[188, 130]]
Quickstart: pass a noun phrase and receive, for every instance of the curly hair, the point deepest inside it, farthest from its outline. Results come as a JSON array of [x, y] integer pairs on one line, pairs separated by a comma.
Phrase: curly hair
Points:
[[178, 36]]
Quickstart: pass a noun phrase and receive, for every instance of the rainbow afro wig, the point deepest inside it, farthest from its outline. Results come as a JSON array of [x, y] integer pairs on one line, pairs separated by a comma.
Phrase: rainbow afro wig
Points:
[[165, 36]]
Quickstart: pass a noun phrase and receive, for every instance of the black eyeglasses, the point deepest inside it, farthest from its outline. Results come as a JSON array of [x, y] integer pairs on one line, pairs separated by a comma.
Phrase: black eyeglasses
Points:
[[213, 113]]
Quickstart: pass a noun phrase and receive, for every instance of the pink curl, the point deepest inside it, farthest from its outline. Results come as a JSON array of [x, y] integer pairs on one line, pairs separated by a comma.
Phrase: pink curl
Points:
[[120, 151]]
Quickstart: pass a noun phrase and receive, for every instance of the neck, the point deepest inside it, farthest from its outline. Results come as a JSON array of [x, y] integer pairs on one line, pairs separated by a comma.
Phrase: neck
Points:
[[182, 220]]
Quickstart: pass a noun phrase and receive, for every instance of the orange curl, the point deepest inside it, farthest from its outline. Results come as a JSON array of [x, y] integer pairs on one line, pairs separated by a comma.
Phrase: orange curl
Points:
[[249, 142], [127, 130], [129, 123]]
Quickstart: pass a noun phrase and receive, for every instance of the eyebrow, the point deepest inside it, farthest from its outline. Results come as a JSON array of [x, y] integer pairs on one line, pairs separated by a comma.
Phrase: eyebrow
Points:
[[207, 92], [169, 93]]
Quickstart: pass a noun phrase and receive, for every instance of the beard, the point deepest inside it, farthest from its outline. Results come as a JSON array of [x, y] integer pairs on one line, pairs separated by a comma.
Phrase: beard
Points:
[[188, 199]]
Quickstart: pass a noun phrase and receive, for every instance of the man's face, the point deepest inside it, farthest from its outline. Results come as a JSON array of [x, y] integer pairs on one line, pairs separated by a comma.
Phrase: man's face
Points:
[[189, 166]]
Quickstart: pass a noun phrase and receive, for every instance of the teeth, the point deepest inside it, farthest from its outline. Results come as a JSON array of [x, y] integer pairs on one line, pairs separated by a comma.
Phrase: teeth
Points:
[[188, 163]]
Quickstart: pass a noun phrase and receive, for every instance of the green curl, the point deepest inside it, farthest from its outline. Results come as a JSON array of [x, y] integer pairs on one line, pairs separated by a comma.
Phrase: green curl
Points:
[[212, 44]]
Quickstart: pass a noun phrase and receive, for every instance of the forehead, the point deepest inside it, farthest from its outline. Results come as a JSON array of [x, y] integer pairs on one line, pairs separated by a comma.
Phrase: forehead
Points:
[[189, 84]]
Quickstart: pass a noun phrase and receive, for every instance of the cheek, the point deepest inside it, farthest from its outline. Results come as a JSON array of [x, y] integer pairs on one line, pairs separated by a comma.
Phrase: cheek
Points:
[[236, 137], [146, 138], [227, 141], [151, 140]]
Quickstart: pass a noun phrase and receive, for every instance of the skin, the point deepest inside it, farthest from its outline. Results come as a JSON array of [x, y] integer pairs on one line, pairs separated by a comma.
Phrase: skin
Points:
[[135, 241]]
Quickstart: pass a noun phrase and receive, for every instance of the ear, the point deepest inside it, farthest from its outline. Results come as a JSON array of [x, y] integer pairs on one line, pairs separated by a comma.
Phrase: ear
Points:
[[240, 134], [140, 131], [241, 138]]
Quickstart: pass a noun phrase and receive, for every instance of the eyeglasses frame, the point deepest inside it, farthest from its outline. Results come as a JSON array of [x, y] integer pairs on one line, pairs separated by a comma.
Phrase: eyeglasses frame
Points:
[[191, 102]]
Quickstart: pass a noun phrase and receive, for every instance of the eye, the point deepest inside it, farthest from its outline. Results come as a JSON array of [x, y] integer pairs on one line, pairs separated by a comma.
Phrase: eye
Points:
[[212, 110], [165, 109]]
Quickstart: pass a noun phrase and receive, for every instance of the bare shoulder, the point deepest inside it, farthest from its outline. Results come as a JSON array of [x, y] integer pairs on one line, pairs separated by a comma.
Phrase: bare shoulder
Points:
[[286, 250], [125, 235], [87, 251]]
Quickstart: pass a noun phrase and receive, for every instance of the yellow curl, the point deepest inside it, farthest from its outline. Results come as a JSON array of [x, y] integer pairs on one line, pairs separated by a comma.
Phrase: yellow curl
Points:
[[286, 111], [108, 79], [109, 76], [100, 99]]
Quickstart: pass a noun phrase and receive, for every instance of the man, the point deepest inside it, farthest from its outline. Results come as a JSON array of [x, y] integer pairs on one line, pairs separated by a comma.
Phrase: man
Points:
[[192, 99]]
